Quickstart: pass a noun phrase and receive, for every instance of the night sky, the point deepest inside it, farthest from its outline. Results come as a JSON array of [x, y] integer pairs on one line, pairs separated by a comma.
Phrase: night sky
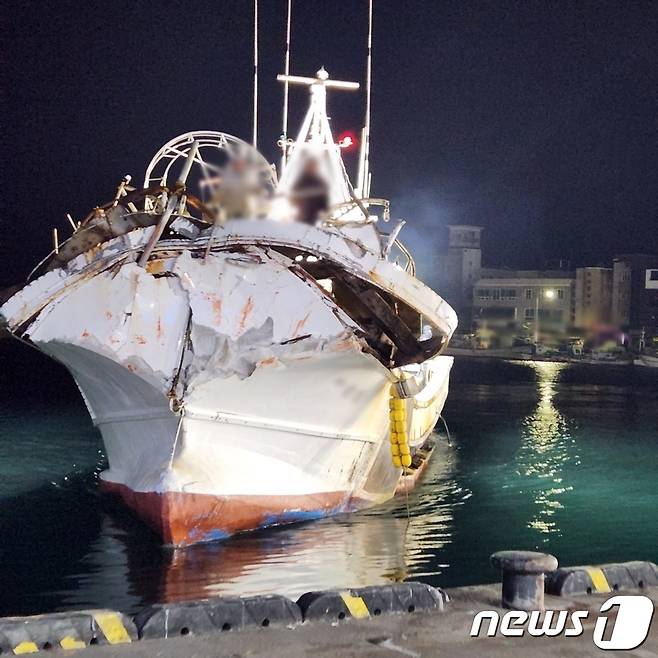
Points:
[[534, 120]]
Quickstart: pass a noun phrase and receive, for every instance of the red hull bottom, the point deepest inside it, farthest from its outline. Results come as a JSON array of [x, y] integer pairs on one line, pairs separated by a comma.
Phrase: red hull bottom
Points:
[[187, 518]]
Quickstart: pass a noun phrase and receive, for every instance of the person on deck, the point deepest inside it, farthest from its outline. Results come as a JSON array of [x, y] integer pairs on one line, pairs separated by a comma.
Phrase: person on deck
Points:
[[310, 194]]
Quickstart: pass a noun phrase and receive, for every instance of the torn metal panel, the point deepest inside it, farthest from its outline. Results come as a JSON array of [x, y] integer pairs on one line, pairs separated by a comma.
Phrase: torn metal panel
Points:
[[331, 244], [232, 293], [249, 308], [105, 225], [36, 295], [128, 316]]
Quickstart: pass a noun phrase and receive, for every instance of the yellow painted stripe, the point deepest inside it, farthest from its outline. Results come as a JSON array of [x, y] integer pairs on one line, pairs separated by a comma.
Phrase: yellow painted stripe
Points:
[[356, 605], [599, 581], [112, 626], [68, 642], [25, 647]]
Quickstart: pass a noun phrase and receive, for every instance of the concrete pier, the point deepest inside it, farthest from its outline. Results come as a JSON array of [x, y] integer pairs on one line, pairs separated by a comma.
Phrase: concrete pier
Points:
[[445, 633], [578, 611]]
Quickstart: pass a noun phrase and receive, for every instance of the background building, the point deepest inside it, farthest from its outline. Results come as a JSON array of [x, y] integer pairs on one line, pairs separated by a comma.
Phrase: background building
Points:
[[511, 304], [593, 297], [621, 293], [459, 268], [635, 294], [524, 301]]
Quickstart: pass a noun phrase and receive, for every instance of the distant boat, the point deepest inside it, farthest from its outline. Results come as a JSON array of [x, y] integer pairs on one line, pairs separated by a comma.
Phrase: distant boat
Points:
[[647, 361], [601, 361]]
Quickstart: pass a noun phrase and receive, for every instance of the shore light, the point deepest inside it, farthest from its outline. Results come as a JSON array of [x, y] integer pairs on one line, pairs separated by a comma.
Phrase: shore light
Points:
[[548, 294]]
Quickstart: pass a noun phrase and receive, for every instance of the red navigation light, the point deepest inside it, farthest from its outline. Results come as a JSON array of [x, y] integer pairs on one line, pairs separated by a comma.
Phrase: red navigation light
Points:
[[347, 140]]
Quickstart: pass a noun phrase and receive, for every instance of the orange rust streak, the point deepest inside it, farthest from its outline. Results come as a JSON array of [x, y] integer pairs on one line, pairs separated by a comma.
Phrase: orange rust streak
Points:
[[140, 339], [217, 310], [300, 325], [158, 328], [343, 345], [216, 305], [245, 313]]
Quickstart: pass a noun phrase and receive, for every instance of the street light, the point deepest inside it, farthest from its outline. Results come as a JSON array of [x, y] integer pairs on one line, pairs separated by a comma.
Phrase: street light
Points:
[[548, 294]]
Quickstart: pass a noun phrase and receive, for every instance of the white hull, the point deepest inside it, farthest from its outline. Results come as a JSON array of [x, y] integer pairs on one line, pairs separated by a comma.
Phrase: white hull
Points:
[[245, 463]]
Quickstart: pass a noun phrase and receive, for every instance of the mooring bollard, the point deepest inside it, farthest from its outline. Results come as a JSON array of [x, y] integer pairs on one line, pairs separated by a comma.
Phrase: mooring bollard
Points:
[[523, 577]]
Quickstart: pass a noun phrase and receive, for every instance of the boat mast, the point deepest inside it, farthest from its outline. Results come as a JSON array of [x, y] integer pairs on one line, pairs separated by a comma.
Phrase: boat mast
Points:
[[315, 140], [286, 71], [255, 140], [363, 179]]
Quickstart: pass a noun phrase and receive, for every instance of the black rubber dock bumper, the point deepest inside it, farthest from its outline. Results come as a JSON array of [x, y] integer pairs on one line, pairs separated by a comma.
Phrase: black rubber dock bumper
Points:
[[79, 629], [216, 615], [332, 606], [65, 630], [569, 581]]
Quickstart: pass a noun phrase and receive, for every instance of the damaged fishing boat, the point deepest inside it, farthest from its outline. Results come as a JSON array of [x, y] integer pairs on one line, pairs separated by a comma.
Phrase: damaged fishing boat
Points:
[[254, 350]]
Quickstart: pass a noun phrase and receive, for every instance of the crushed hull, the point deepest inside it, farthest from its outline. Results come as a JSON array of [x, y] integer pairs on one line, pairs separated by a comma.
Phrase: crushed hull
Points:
[[232, 392]]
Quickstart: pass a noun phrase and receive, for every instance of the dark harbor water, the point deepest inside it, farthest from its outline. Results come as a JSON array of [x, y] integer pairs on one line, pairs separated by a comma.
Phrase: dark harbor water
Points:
[[551, 456]]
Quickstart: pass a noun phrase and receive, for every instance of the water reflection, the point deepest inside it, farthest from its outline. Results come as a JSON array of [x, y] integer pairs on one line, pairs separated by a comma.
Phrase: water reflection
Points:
[[431, 510], [547, 447], [372, 547], [514, 480], [375, 546]]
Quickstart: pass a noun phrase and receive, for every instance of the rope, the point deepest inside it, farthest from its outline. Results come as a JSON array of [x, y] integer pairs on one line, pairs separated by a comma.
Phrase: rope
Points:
[[447, 430], [406, 499], [173, 447]]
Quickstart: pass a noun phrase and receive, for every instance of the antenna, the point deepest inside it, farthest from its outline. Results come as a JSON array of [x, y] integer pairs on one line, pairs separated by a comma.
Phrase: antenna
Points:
[[255, 142], [322, 80], [363, 181], [315, 139], [286, 68]]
